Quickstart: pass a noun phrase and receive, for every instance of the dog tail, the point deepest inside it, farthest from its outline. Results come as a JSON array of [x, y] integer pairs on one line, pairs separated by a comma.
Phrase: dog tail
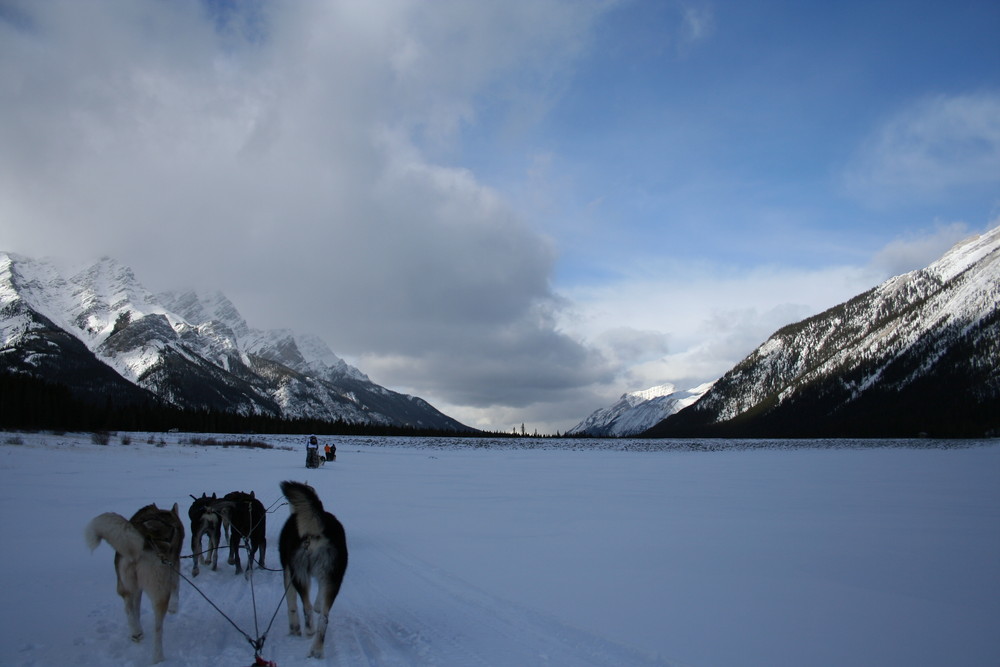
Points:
[[306, 507], [116, 531]]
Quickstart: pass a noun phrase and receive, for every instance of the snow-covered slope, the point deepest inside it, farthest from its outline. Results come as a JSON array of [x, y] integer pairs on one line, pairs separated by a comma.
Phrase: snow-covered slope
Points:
[[637, 411], [919, 353], [194, 350]]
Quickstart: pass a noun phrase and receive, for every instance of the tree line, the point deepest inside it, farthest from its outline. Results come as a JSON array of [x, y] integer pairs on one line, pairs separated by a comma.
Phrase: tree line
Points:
[[30, 403]]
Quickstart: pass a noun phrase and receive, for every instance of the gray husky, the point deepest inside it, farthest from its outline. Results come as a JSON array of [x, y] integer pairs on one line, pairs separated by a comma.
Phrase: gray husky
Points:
[[205, 522], [147, 560], [312, 544]]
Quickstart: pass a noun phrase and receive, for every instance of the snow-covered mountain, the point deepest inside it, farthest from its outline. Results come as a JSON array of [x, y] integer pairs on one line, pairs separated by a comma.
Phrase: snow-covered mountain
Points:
[[920, 353], [637, 411], [101, 332]]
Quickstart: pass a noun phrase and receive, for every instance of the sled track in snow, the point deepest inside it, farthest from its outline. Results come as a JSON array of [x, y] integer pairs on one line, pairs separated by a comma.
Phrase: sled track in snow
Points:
[[406, 612], [393, 611]]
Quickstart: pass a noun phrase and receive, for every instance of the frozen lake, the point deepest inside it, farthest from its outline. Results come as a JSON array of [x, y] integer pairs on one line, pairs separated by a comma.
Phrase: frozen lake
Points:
[[528, 552]]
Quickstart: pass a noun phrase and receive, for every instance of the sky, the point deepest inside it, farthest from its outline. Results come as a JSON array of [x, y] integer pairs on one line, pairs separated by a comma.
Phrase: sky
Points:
[[517, 211]]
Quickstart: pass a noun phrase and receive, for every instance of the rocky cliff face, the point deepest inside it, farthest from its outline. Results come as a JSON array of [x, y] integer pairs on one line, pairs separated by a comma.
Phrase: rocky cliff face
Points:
[[918, 354]]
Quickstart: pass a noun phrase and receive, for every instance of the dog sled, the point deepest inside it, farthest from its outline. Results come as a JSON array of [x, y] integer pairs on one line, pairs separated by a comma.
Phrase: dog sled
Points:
[[312, 458], [312, 452]]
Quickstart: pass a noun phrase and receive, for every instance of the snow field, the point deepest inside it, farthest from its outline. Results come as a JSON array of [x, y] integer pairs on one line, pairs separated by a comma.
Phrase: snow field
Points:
[[884, 556]]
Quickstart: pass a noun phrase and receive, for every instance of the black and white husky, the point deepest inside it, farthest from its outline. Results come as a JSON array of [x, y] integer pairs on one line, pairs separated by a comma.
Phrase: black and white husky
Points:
[[147, 557], [312, 544]]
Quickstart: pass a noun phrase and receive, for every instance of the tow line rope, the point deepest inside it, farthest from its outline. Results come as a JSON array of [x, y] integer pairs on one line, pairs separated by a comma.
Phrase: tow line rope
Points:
[[258, 643]]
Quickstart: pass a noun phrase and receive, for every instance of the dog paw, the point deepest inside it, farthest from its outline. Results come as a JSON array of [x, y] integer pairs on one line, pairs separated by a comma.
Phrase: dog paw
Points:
[[316, 653], [137, 637]]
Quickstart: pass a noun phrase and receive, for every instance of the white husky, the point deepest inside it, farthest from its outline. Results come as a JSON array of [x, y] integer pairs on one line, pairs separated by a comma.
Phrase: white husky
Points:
[[147, 558]]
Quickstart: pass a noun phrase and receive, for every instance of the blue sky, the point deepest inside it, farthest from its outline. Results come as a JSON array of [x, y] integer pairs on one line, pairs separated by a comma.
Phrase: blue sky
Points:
[[740, 144], [515, 210]]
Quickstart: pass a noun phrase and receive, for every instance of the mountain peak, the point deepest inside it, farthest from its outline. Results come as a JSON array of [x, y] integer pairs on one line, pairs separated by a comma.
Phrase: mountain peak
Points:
[[652, 392], [966, 254], [637, 411]]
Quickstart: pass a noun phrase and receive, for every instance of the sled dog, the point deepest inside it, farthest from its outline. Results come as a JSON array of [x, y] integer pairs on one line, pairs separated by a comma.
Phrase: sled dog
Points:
[[245, 519], [312, 544], [147, 556], [205, 522]]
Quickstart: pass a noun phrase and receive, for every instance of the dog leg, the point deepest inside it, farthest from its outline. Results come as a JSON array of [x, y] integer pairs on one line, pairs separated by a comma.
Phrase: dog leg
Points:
[[195, 552], [324, 600], [234, 552], [318, 641], [205, 556], [131, 594], [294, 628], [132, 602], [159, 610], [307, 607], [251, 551], [229, 537], [307, 611], [175, 592], [211, 557]]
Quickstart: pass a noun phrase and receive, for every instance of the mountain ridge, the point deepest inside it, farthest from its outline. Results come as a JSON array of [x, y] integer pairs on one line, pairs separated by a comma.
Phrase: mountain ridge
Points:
[[917, 354], [191, 350], [636, 411]]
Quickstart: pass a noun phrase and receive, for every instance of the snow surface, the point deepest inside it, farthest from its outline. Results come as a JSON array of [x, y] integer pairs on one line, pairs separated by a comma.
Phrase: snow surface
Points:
[[833, 554]]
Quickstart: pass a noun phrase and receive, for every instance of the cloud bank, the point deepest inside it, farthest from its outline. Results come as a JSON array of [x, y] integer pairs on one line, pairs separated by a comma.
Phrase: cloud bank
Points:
[[321, 164], [286, 154]]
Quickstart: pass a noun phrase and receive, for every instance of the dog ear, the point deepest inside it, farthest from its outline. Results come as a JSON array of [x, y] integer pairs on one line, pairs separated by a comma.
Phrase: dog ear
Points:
[[175, 511], [252, 495]]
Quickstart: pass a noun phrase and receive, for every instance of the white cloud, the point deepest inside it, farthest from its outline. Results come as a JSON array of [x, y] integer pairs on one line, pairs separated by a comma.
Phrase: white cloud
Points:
[[915, 251], [710, 316], [933, 148], [287, 154], [697, 24]]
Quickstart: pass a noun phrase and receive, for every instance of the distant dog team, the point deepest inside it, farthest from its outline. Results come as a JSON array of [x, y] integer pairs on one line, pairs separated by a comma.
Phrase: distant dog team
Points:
[[148, 554]]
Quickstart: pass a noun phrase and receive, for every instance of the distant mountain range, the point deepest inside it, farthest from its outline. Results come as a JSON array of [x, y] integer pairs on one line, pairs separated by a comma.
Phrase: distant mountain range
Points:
[[105, 337], [919, 354], [637, 411]]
